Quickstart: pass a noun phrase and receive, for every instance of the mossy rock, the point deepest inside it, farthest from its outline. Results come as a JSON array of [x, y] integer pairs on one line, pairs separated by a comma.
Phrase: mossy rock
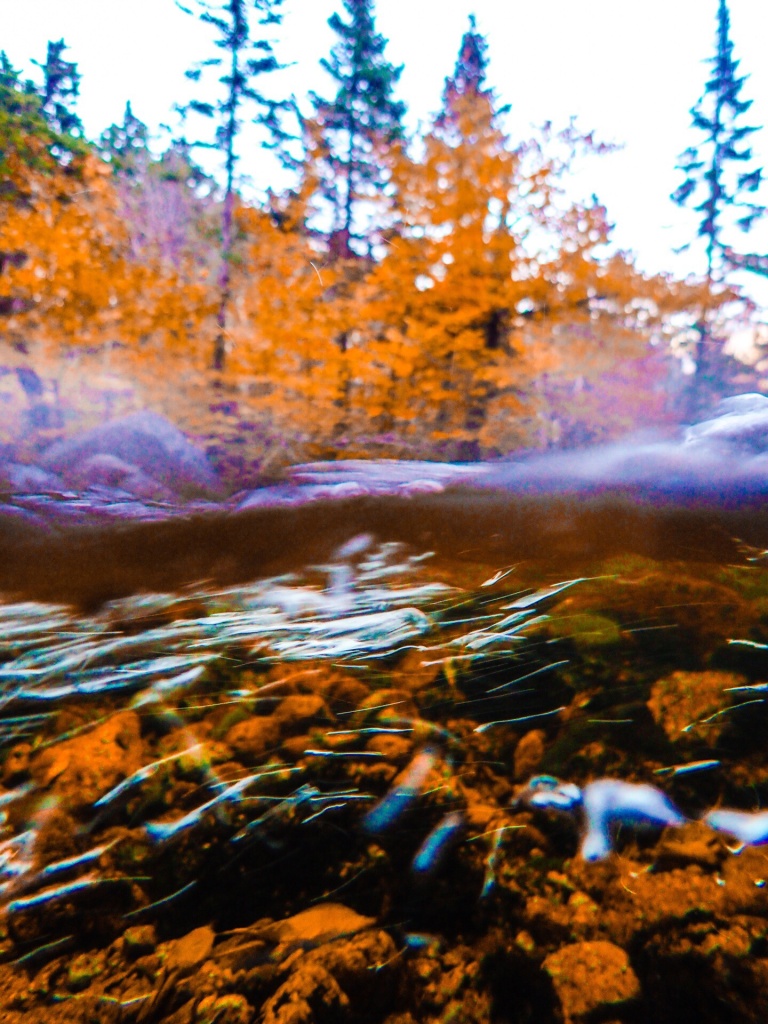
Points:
[[585, 629]]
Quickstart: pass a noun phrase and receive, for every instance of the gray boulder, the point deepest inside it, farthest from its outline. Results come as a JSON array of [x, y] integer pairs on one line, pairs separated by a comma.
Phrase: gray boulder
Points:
[[142, 448], [110, 472], [741, 422], [17, 478]]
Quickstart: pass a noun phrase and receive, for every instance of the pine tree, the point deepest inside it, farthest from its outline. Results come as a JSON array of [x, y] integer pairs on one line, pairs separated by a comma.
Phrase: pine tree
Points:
[[358, 124], [24, 134], [246, 59], [471, 153], [36, 142], [59, 91], [469, 74], [30, 138], [708, 167], [716, 173], [455, 232], [126, 145]]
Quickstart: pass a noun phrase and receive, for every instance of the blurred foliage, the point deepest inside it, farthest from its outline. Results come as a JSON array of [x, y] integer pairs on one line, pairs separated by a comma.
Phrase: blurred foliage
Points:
[[482, 314]]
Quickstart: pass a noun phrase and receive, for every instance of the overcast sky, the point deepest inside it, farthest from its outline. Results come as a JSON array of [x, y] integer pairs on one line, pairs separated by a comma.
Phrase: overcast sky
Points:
[[628, 70]]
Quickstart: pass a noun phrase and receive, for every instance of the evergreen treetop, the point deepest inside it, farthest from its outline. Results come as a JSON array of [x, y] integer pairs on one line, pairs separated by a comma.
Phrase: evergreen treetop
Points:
[[59, 91], [126, 145], [707, 167], [247, 57], [471, 65], [361, 119], [30, 139]]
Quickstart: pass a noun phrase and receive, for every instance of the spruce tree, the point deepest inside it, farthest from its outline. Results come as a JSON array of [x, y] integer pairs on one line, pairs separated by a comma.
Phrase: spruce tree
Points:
[[359, 123], [716, 171], [126, 145], [59, 90], [247, 57], [472, 154], [718, 174], [35, 140], [25, 137], [470, 71], [30, 141]]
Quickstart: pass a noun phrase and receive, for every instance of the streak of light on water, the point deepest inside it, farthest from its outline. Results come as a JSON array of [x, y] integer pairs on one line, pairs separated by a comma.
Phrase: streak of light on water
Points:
[[498, 577], [141, 775], [687, 769], [718, 714], [368, 611], [528, 675], [516, 721]]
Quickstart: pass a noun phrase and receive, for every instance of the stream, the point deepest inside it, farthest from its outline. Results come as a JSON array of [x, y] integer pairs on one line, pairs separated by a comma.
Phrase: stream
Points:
[[327, 750]]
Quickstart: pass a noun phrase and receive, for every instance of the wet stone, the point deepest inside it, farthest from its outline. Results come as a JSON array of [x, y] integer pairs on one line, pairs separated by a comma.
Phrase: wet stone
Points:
[[83, 969], [253, 738], [591, 976], [294, 747], [139, 941], [389, 705], [318, 924], [694, 844], [394, 748], [190, 950], [529, 753], [16, 764], [299, 710], [241, 952], [82, 769], [416, 671], [341, 978], [746, 882], [342, 692], [308, 995], [684, 699], [225, 1009]]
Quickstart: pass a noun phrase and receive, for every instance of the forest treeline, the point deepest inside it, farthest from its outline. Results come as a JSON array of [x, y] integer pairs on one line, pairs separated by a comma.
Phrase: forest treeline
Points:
[[439, 294]]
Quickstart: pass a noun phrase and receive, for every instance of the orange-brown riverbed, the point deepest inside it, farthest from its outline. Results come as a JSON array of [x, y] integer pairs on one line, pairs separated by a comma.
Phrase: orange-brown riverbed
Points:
[[200, 717]]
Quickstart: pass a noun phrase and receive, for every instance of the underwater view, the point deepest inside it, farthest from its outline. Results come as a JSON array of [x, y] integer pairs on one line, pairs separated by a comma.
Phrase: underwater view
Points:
[[275, 759]]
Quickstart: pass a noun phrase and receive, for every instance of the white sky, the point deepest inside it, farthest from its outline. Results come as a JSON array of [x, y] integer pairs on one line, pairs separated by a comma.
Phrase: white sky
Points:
[[628, 69]]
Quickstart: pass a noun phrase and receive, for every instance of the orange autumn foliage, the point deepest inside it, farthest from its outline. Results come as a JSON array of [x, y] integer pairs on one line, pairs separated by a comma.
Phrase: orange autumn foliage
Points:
[[486, 317], [488, 295], [80, 283]]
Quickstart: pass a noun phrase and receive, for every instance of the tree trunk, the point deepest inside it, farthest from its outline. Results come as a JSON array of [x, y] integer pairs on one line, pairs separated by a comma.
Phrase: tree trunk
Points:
[[225, 284]]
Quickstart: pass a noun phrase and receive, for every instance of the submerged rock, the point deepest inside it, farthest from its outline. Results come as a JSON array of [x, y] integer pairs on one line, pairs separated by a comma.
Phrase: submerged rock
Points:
[[79, 770], [318, 924], [683, 702], [591, 976]]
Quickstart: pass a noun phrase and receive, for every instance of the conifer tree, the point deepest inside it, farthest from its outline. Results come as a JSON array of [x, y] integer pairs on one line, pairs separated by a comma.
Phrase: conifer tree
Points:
[[469, 74], [471, 152], [32, 138], [25, 137], [246, 58], [716, 170], [359, 123], [36, 140], [59, 90], [126, 145]]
